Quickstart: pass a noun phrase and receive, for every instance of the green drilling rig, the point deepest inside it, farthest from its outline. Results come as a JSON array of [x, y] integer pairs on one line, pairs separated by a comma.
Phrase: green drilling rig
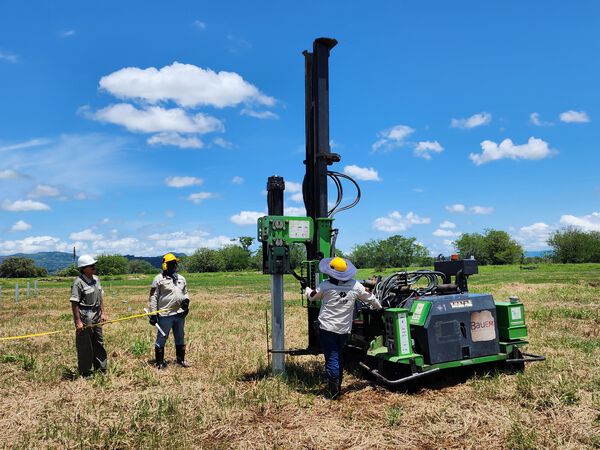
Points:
[[430, 321]]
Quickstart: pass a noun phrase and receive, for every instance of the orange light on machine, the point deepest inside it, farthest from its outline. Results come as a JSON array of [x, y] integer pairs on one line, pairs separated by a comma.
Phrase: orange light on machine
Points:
[[454, 257]]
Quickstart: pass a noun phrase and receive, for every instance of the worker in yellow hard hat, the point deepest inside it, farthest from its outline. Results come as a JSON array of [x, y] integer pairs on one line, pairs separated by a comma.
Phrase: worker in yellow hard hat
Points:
[[337, 295], [169, 293]]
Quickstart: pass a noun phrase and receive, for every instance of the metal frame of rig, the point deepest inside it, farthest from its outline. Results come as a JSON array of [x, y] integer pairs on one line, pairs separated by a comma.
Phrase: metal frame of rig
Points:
[[430, 321]]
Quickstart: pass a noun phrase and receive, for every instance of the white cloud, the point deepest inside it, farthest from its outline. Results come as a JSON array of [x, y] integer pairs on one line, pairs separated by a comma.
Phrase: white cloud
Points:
[[43, 190], [81, 196], [447, 224], [590, 222], [176, 140], [574, 117], [156, 119], [34, 244], [535, 119], [297, 197], [244, 218], [187, 242], [292, 186], [294, 211], [395, 222], [259, 114], [362, 173], [67, 33], [184, 84], [476, 120], [445, 233], [199, 25], [26, 144], [220, 142], [20, 225], [534, 236], [10, 174], [24, 205], [481, 209], [460, 208], [237, 180], [424, 149], [199, 197], [8, 57], [456, 208], [392, 137], [85, 235], [179, 182], [170, 213], [295, 189], [534, 149]]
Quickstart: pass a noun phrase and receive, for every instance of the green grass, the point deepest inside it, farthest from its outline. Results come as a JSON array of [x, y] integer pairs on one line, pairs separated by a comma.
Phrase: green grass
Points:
[[228, 398]]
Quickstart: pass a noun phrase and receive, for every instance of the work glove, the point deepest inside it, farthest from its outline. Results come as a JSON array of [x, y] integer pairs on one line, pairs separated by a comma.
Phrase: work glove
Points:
[[153, 319], [185, 305]]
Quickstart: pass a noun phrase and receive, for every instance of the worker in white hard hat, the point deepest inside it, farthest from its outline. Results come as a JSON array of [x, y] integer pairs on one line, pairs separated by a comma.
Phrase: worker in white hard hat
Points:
[[169, 293], [337, 295], [88, 311]]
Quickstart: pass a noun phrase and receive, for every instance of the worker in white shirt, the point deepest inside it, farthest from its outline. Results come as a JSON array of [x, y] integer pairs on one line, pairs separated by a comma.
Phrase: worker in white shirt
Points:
[[337, 295]]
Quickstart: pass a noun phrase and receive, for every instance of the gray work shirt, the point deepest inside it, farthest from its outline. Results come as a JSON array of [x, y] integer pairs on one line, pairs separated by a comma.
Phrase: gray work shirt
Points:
[[88, 293], [168, 293], [337, 304]]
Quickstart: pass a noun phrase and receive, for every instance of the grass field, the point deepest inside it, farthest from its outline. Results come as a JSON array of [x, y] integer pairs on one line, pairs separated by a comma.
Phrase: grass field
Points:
[[227, 399]]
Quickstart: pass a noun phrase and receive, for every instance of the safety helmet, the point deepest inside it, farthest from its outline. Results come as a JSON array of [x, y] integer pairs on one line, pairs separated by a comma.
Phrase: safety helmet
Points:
[[168, 258], [339, 268], [85, 260], [338, 264]]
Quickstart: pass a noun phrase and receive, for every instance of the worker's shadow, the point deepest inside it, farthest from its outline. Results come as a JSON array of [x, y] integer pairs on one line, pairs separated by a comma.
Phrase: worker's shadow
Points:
[[305, 377]]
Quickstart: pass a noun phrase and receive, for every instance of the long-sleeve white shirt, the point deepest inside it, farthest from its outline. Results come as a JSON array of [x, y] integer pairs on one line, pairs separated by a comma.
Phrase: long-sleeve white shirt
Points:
[[337, 303], [168, 293]]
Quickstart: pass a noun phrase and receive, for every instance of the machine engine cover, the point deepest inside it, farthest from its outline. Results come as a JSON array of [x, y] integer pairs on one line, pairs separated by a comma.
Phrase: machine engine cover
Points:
[[461, 326]]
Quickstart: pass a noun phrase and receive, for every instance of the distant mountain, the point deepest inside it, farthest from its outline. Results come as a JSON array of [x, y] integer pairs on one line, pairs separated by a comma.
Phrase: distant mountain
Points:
[[537, 254], [156, 261], [53, 262]]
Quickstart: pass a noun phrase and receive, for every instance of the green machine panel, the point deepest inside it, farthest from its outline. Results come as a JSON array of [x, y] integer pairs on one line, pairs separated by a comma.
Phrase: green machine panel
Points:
[[419, 310], [285, 229], [277, 234], [511, 320], [397, 331]]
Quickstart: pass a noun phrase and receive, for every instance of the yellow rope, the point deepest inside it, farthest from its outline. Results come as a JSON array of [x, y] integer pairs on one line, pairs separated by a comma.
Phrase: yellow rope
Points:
[[48, 333]]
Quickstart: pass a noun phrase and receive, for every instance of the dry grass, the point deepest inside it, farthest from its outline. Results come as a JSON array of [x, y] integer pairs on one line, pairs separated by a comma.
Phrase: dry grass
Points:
[[226, 400]]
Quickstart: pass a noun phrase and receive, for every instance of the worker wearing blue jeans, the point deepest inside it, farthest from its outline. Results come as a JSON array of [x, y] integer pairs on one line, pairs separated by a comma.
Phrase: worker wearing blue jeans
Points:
[[337, 295], [169, 296]]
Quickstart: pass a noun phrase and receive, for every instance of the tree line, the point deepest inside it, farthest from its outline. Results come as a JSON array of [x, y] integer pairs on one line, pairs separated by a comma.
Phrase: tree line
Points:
[[495, 247]]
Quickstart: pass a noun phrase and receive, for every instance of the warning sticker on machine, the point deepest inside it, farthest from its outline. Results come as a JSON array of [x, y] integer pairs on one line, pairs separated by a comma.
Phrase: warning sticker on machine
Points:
[[483, 327], [515, 313], [403, 326], [461, 304], [299, 229]]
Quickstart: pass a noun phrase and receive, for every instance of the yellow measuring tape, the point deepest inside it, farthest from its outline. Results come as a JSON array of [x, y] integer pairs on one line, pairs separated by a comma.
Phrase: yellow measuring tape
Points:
[[48, 333]]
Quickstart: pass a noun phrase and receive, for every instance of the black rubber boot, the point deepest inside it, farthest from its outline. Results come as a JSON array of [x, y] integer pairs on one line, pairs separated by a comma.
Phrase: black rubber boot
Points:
[[333, 389], [159, 354], [180, 352]]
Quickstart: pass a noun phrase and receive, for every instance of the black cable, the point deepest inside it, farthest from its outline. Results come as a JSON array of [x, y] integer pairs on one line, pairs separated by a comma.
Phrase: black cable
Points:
[[358, 192], [340, 192]]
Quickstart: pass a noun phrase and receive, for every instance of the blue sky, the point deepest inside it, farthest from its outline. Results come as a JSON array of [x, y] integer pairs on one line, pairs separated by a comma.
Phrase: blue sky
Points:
[[144, 129]]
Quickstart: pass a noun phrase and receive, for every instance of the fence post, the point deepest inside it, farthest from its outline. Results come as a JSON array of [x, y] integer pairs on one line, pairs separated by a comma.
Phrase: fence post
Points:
[[28, 290], [16, 292], [35, 290], [0, 296]]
